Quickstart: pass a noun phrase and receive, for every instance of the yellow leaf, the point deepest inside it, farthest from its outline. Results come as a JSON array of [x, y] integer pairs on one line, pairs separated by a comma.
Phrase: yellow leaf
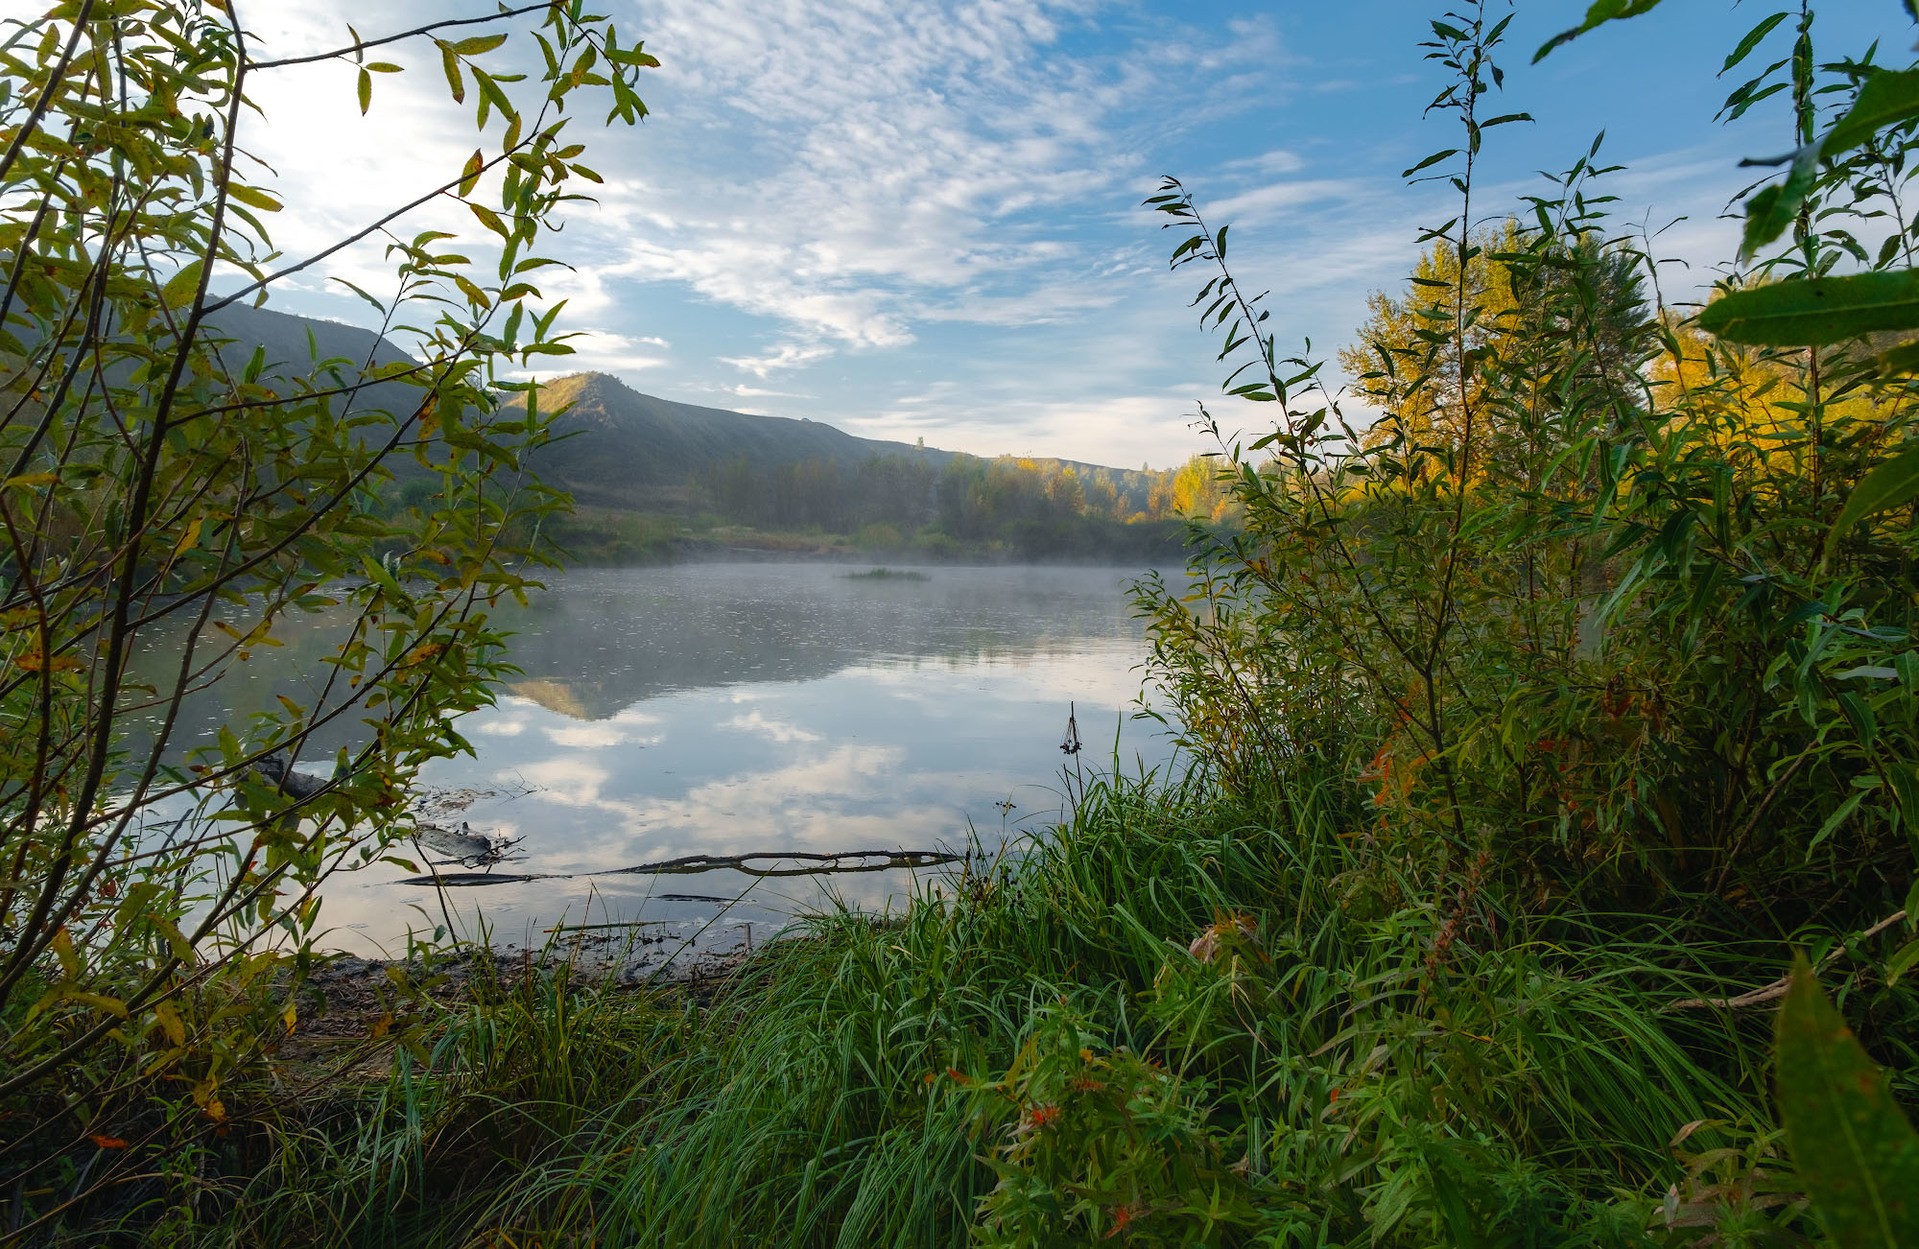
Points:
[[31, 479], [253, 197], [470, 176], [36, 662], [190, 537], [63, 950], [478, 45], [490, 219], [171, 1023], [182, 286]]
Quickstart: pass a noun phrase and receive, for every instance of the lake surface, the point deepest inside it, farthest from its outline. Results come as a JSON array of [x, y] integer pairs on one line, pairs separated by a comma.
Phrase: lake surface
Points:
[[732, 709]]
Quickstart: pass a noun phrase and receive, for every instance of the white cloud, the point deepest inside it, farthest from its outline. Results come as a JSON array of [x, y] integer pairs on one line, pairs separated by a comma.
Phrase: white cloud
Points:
[[886, 164], [1265, 203], [780, 731]]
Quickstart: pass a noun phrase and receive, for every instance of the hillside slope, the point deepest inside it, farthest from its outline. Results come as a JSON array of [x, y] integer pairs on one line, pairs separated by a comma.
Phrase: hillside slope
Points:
[[619, 448], [614, 446]]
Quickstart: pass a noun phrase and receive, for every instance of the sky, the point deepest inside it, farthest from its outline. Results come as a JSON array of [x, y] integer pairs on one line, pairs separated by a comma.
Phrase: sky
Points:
[[922, 218]]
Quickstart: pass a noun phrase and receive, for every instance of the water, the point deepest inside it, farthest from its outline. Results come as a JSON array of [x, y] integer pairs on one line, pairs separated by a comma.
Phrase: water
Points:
[[732, 709]]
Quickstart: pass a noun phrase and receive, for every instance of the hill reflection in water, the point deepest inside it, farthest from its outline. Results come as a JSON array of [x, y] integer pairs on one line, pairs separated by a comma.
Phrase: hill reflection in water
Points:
[[730, 709], [607, 639]]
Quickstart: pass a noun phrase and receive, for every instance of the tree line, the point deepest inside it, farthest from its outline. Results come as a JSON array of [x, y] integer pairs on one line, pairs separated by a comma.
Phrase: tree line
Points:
[[1027, 507]]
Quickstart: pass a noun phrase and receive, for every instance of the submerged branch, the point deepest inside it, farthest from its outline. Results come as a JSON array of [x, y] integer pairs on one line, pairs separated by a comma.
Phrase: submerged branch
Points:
[[845, 861]]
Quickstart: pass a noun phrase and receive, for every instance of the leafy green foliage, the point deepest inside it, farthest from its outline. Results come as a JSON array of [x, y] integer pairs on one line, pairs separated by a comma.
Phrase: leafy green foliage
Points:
[[164, 489], [1855, 1151], [1891, 484]]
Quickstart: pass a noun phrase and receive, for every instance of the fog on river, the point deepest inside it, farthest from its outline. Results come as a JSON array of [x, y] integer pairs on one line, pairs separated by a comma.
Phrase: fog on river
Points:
[[732, 709]]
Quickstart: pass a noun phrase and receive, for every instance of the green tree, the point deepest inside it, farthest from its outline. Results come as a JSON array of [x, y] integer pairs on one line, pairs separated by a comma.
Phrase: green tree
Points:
[[157, 491]]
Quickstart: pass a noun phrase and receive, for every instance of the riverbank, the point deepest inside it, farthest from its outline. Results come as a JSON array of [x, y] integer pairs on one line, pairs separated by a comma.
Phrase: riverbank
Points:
[[1188, 1018], [610, 537]]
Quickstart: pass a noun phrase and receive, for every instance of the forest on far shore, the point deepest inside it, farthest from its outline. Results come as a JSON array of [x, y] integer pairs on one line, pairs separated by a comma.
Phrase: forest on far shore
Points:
[[896, 506]]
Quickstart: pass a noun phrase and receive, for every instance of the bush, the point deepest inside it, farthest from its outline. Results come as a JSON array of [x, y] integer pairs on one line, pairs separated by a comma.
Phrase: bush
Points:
[[167, 489]]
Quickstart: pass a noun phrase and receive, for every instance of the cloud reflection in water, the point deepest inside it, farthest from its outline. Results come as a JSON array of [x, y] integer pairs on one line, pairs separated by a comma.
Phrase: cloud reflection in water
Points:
[[729, 709]]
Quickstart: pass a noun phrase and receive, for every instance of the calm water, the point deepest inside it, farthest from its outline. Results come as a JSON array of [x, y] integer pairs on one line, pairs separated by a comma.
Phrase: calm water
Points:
[[759, 708]]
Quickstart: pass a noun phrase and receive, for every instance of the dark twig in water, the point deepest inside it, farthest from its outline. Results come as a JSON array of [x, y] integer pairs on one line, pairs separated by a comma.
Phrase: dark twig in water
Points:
[[846, 861]]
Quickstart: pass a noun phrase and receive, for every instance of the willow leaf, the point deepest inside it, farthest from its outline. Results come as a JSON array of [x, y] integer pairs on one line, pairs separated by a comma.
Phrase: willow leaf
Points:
[[1886, 99], [1811, 312], [1891, 484], [1601, 12], [1856, 1154]]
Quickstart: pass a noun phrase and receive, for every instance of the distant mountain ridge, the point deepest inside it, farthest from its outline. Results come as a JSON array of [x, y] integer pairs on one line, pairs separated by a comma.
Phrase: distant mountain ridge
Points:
[[613, 446], [616, 446]]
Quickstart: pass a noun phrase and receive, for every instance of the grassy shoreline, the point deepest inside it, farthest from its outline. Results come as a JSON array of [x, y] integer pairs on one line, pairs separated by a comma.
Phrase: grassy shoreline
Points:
[[1188, 1018]]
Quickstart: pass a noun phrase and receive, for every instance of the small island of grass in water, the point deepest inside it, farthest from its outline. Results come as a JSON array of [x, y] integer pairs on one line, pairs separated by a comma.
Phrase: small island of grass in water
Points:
[[887, 574]]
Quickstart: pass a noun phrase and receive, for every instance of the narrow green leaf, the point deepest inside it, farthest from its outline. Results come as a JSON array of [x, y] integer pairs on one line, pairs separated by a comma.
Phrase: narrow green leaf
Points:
[[1889, 485], [1752, 40], [1601, 12], [366, 92], [1856, 1154], [1771, 209], [1811, 312], [1898, 360], [1837, 818], [1901, 963], [1429, 162]]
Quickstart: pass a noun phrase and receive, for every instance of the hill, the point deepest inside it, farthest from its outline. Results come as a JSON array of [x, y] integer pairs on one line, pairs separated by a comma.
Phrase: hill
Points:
[[616, 447], [655, 478], [295, 344], [619, 448]]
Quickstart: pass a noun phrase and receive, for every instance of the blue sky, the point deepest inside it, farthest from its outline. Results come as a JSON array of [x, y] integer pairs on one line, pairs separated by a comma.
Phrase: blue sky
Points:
[[920, 218]]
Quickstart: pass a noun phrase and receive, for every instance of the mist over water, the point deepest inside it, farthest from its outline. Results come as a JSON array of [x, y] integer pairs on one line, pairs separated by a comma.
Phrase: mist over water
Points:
[[730, 709]]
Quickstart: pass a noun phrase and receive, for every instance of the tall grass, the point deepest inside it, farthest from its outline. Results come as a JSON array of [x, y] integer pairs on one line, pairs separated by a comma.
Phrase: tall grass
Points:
[[1182, 1019]]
